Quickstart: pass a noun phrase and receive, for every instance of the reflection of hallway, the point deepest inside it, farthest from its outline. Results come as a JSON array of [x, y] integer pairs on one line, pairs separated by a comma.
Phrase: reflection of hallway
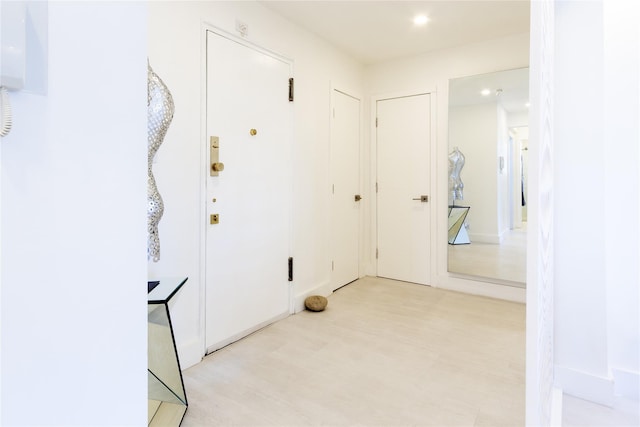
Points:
[[506, 261]]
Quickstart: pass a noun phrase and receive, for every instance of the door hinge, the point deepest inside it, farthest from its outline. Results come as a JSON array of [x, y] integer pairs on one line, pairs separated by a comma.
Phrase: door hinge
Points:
[[332, 266], [376, 253], [376, 122], [290, 265], [376, 187], [291, 89]]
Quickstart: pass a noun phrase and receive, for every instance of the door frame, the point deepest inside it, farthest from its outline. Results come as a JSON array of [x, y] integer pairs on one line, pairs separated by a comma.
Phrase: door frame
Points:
[[204, 172], [433, 187], [362, 236]]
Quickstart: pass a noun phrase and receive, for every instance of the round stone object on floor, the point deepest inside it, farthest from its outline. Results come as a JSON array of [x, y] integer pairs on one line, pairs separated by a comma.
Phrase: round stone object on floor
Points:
[[315, 303]]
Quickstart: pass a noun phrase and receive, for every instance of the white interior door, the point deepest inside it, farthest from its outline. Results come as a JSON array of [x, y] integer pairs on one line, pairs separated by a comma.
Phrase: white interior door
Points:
[[345, 176], [247, 251], [403, 178]]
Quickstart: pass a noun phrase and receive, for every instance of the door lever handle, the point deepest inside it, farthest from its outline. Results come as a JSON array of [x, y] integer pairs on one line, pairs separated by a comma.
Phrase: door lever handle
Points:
[[357, 197], [423, 199]]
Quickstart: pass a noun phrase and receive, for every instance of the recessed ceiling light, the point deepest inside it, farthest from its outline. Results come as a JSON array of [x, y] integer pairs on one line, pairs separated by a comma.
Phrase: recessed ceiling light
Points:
[[420, 20], [485, 92]]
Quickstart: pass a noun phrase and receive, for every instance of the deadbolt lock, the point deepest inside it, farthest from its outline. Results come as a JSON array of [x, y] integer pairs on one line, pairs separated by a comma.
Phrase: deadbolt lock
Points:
[[214, 219], [214, 156], [253, 132]]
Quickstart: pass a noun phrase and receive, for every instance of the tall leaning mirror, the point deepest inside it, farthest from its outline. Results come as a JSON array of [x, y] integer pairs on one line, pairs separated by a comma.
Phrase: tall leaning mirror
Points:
[[487, 149]]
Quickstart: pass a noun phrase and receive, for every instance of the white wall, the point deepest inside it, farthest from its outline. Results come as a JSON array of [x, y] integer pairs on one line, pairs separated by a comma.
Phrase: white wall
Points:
[[431, 72], [518, 119], [176, 53], [74, 227], [596, 200], [622, 182]]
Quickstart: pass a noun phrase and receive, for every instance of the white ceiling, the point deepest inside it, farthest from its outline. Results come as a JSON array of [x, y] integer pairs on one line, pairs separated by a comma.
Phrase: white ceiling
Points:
[[509, 88], [377, 31]]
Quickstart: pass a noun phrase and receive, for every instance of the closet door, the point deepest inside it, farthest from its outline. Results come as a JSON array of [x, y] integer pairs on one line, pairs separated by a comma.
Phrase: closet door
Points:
[[403, 180], [345, 189]]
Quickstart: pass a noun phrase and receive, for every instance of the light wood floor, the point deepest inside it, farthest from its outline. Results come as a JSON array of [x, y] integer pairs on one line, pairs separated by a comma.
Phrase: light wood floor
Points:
[[382, 353], [576, 412]]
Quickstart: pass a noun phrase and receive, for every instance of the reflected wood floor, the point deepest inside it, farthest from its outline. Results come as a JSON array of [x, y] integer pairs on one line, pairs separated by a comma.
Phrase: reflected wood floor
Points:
[[505, 261], [383, 353]]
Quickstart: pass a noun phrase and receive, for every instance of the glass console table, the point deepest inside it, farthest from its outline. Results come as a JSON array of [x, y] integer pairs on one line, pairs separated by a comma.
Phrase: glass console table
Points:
[[167, 397], [457, 231]]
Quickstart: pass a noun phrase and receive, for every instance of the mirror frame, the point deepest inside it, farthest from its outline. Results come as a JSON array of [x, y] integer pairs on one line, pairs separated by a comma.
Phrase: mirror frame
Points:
[[447, 105]]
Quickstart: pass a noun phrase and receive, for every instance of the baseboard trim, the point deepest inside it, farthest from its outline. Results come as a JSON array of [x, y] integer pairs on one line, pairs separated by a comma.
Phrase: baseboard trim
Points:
[[323, 289], [584, 385], [556, 407], [225, 342], [485, 238], [474, 286], [190, 353], [626, 383]]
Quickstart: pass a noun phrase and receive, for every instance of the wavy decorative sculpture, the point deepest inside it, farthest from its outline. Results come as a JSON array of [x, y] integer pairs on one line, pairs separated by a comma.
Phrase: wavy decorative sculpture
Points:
[[160, 109], [456, 187]]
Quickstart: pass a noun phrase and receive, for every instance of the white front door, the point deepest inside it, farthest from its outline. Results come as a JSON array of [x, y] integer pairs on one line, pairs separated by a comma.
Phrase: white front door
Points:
[[247, 251], [403, 178], [345, 188]]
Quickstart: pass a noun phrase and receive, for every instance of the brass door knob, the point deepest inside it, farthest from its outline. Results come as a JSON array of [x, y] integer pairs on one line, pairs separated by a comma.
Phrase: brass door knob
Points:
[[253, 132], [218, 167]]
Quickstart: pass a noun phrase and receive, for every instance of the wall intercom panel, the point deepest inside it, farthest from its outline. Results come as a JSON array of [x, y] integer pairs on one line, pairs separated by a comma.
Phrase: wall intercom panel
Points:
[[13, 43], [24, 45], [23, 52]]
